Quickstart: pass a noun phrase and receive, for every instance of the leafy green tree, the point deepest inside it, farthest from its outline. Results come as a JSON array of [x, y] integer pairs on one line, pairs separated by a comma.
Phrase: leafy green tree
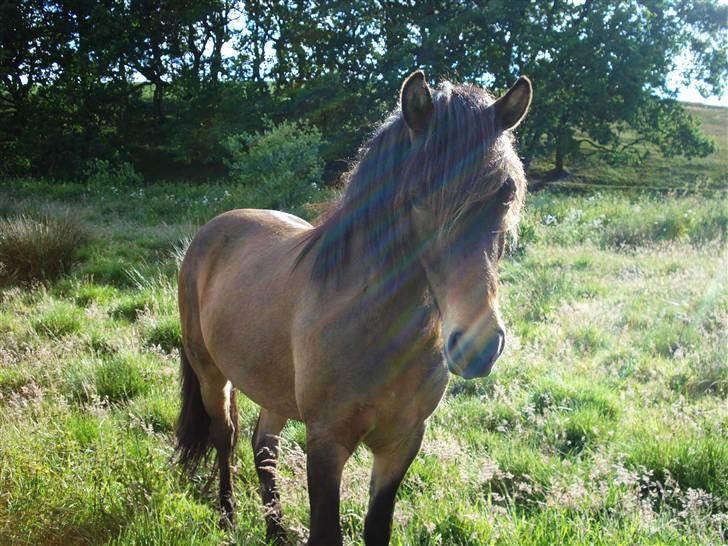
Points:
[[282, 164], [150, 81], [600, 69]]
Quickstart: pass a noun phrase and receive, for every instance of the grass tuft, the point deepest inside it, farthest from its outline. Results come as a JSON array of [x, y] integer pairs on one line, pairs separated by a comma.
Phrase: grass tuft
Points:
[[60, 319], [40, 248], [166, 334], [121, 378]]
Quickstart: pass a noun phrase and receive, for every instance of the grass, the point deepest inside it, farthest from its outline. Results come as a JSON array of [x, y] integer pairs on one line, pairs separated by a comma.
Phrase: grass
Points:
[[703, 175], [38, 247], [605, 421]]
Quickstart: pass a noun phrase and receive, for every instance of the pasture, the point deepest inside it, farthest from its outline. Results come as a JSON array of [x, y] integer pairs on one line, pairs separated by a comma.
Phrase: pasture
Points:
[[604, 422]]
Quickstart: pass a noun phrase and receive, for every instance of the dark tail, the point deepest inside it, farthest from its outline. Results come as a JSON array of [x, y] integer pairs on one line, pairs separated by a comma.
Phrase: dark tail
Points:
[[193, 424]]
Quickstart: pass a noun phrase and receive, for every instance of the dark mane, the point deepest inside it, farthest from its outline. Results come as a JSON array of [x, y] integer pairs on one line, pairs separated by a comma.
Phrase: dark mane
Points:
[[461, 159]]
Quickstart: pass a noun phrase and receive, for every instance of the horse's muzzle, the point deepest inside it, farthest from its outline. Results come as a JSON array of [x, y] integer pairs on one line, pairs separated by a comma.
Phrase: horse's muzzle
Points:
[[465, 360]]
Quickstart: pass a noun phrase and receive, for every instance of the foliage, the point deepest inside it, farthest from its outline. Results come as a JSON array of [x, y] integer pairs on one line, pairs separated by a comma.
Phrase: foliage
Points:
[[120, 378], [166, 334], [282, 164], [105, 174], [59, 319], [154, 85], [38, 247]]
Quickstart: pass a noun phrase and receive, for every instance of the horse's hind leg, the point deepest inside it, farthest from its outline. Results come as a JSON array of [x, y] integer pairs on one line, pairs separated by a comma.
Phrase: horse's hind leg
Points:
[[218, 398], [265, 453], [390, 465], [208, 418]]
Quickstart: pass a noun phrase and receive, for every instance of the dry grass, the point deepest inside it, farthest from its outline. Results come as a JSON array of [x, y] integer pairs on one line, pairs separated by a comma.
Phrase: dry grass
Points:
[[38, 247]]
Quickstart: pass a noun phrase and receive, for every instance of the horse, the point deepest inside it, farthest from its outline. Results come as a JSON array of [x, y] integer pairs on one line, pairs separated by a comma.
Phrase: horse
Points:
[[351, 326]]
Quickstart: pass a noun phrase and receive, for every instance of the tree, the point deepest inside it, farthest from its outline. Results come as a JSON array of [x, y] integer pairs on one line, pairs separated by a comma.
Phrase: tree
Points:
[[153, 81], [601, 68]]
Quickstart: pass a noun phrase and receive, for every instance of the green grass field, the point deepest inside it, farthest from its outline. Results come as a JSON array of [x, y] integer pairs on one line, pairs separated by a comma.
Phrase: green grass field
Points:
[[605, 421]]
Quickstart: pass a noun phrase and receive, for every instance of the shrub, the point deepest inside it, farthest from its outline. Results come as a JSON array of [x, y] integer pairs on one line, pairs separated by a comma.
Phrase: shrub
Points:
[[282, 163], [41, 248], [107, 174]]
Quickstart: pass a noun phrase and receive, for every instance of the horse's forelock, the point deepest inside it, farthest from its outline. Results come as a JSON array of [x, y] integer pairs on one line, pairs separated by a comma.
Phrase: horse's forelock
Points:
[[464, 159], [461, 159]]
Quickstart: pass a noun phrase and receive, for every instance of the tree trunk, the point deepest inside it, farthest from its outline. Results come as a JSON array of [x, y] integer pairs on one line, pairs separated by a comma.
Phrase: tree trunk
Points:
[[562, 141], [559, 160], [530, 149], [157, 101]]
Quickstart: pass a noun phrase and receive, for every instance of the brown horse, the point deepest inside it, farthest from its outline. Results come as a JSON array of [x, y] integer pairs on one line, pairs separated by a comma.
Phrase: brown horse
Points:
[[340, 325]]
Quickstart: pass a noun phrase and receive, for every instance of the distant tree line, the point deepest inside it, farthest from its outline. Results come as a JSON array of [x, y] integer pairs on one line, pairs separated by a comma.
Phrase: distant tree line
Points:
[[163, 84]]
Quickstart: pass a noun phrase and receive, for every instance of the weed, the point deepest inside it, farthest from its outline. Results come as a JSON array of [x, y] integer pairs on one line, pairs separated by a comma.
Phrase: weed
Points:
[[120, 378], [166, 333]]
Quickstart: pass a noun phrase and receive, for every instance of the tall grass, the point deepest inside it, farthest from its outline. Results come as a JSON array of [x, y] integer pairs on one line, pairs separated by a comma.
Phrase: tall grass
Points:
[[39, 247]]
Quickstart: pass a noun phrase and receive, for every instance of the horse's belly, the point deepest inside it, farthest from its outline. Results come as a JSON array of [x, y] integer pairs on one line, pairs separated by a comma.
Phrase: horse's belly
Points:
[[264, 377], [245, 330]]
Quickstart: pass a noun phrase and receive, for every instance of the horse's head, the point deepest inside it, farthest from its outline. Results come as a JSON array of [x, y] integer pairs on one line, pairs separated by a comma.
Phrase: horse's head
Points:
[[468, 193]]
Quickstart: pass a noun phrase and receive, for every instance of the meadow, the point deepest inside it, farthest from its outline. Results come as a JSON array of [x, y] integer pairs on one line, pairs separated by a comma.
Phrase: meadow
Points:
[[604, 422]]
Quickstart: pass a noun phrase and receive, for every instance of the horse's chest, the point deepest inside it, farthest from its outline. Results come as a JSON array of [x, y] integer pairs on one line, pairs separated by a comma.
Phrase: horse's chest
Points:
[[355, 354]]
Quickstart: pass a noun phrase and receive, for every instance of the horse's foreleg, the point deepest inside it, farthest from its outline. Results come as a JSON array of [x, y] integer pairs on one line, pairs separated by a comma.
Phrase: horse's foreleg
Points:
[[265, 453], [390, 465], [325, 464]]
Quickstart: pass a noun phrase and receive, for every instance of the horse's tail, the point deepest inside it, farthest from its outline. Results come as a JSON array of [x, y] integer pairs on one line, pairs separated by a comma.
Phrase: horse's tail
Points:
[[193, 424]]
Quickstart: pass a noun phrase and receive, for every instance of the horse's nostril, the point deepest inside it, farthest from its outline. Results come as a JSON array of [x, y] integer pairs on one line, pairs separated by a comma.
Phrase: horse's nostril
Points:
[[494, 348], [501, 341], [452, 343]]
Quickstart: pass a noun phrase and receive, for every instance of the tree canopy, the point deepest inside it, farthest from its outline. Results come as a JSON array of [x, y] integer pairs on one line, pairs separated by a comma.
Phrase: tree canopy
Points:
[[164, 85]]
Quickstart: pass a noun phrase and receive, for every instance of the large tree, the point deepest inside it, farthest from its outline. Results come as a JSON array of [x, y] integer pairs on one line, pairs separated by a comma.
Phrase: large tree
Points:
[[148, 80], [601, 68]]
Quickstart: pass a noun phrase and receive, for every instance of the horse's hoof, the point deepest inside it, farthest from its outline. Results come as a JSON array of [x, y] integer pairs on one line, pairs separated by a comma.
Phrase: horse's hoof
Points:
[[276, 536], [227, 522]]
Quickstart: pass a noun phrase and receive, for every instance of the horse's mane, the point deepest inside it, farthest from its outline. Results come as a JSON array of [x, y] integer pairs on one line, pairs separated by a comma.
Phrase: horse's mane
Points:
[[460, 160]]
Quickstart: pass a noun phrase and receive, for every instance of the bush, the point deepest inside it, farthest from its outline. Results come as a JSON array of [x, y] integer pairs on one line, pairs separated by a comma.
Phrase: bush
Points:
[[41, 248], [282, 163], [103, 173]]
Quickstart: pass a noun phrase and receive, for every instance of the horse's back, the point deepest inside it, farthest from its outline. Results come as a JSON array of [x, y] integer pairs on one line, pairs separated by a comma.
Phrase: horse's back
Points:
[[237, 291]]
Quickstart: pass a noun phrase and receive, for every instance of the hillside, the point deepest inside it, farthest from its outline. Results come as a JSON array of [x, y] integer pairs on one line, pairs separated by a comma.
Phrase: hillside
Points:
[[654, 170]]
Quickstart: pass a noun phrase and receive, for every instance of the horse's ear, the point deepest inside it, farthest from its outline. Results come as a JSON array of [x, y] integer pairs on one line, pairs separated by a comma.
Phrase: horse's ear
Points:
[[416, 101], [511, 108]]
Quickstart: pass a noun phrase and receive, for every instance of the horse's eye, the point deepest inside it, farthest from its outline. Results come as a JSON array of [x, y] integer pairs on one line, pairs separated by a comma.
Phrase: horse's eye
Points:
[[507, 191]]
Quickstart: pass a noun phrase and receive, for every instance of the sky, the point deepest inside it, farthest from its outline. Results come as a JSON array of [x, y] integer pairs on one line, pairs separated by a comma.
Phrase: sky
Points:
[[691, 94]]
